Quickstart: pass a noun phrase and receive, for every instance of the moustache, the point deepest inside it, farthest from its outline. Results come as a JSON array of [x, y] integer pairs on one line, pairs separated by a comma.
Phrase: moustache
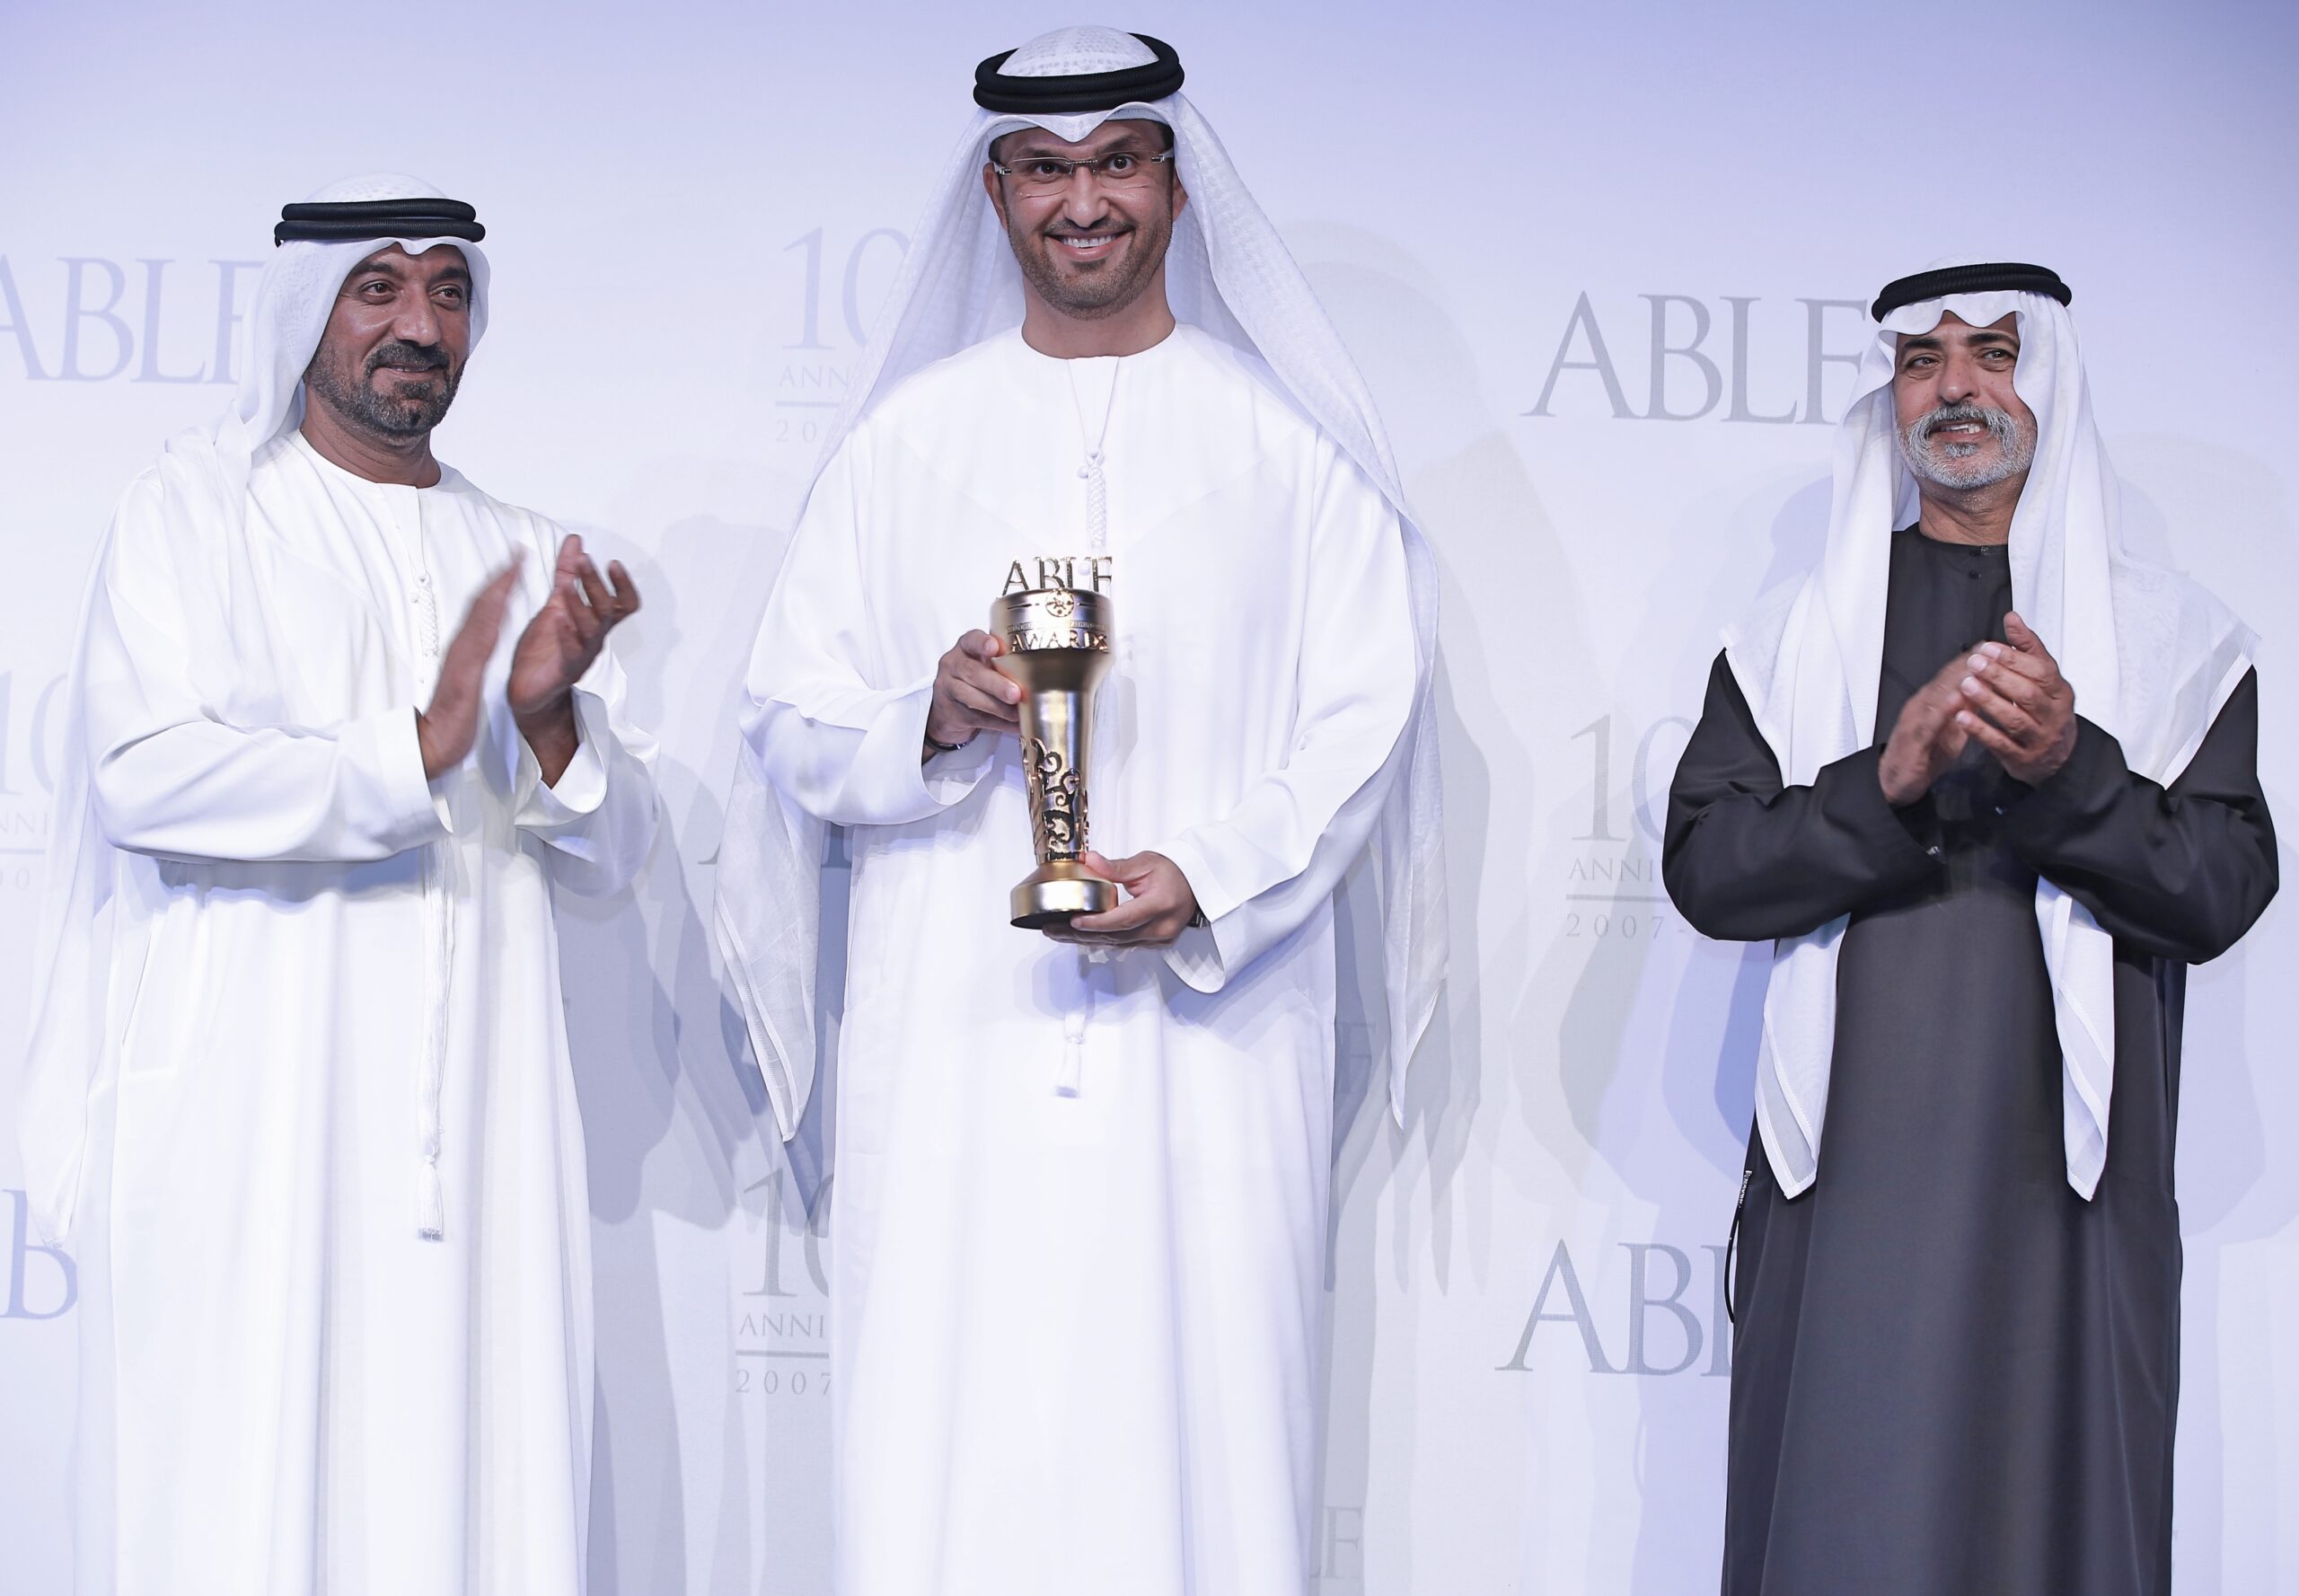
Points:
[[407, 357], [1999, 423]]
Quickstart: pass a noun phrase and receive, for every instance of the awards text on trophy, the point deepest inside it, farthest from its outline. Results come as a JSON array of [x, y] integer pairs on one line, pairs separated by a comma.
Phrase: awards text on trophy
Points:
[[1057, 642]]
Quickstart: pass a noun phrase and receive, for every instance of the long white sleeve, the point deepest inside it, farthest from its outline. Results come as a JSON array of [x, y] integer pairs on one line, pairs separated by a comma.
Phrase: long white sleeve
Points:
[[1263, 869], [600, 816], [830, 733], [171, 777]]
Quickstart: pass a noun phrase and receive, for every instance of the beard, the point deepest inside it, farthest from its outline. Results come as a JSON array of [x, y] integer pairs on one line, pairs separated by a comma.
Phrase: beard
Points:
[[1960, 463], [1104, 291], [413, 410]]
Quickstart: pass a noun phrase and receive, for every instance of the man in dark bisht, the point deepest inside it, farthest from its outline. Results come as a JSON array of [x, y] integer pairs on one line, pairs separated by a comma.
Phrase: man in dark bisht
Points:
[[1989, 784]]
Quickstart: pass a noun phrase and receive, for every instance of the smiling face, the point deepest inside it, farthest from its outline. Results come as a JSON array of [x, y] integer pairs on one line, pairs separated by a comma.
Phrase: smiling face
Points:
[[392, 354], [1088, 249], [1961, 424]]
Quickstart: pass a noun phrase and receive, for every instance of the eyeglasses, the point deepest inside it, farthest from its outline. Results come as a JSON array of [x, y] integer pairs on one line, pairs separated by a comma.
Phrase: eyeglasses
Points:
[[1120, 168]]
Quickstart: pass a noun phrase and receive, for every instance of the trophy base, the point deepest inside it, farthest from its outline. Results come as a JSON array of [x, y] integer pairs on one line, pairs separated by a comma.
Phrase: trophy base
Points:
[[1052, 893]]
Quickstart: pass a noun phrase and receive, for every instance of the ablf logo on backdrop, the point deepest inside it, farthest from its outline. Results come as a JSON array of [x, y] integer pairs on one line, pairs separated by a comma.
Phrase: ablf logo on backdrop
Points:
[[1696, 357], [151, 319]]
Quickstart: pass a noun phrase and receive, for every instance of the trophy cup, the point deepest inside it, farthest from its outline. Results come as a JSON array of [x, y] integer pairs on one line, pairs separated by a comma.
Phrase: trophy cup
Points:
[[1057, 643]]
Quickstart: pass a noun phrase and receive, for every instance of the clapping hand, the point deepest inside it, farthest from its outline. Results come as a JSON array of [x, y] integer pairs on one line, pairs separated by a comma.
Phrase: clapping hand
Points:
[[1928, 737], [445, 730], [2017, 705], [559, 645]]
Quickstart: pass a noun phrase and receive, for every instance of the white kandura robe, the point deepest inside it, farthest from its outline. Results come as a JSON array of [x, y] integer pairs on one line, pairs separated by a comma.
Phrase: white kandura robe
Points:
[[285, 1390], [1078, 1337]]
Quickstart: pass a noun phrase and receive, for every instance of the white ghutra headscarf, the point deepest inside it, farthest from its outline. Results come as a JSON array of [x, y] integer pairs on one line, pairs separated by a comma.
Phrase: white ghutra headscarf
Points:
[[203, 476], [2153, 659], [1228, 273]]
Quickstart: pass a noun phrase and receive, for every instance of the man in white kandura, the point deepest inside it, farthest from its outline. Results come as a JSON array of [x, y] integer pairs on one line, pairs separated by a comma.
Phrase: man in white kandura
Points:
[[298, 1080], [1080, 1209]]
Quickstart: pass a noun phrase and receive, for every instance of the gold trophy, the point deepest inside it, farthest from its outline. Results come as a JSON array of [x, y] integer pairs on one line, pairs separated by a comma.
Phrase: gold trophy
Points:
[[1057, 642]]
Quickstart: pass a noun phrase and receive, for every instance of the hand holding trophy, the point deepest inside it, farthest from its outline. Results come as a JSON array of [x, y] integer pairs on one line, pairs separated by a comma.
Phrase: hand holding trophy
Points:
[[1057, 648]]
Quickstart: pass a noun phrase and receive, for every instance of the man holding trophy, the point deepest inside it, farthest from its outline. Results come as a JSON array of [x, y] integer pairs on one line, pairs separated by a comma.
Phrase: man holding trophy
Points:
[[1106, 572]]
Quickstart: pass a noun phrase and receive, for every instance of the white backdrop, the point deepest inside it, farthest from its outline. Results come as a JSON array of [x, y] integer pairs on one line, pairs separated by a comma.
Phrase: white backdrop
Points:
[[1604, 267]]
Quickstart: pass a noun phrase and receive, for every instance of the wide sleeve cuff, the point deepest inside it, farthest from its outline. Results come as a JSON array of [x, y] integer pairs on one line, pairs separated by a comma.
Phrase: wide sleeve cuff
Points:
[[2035, 817], [1192, 860], [582, 786], [888, 775], [388, 744], [1202, 955], [1195, 956], [1850, 792]]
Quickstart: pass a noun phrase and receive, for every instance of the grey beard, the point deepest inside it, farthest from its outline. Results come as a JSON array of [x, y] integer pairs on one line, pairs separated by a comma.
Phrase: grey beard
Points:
[[369, 410], [1956, 464]]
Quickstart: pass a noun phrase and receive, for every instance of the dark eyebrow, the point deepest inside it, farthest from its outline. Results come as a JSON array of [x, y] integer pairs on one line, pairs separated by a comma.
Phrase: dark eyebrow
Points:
[[1127, 144], [1978, 335], [383, 265]]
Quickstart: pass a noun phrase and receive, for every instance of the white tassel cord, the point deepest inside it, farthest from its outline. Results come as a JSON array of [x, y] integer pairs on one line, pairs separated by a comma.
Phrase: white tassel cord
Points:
[[1098, 506], [439, 938]]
